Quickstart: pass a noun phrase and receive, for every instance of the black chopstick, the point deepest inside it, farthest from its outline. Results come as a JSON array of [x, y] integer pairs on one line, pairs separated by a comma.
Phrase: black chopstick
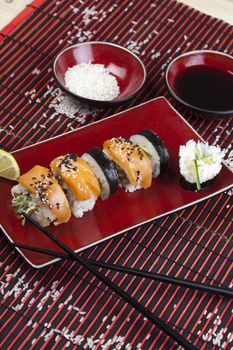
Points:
[[206, 288], [124, 295]]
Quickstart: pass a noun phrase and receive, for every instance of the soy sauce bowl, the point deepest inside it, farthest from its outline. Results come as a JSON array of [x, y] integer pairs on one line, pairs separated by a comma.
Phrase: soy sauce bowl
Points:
[[203, 81], [124, 65]]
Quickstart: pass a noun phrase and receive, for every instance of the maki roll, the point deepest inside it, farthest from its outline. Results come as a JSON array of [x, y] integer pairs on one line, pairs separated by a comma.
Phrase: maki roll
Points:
[[154, 147], [104, 170], [132, 163], [39, 195], [199, 164], [78, 181]]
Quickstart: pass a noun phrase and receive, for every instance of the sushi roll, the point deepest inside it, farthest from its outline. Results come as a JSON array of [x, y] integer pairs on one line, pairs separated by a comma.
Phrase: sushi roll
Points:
[[78, 181], [154, 147], [199, 164], [132, 163], [104, 170], [39, 195]]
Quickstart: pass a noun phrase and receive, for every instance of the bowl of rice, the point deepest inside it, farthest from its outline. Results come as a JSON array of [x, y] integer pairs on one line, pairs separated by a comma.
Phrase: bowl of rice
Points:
[[99, 73]]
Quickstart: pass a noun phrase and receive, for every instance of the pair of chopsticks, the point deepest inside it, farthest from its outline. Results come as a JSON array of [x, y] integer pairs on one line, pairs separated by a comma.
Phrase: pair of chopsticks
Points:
[[202, 287], [91, 266]]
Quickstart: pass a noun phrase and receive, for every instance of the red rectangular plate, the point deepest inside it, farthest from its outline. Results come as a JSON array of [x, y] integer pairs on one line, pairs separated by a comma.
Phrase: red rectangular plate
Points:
[[121, 210]]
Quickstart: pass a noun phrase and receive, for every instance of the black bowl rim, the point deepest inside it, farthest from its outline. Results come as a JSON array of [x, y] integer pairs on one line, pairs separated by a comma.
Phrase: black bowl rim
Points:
[[104, 102], [189, 53]]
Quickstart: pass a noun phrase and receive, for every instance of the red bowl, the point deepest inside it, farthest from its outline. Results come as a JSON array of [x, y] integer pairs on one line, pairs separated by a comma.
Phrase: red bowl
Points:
[[208, 62], [127, 68]]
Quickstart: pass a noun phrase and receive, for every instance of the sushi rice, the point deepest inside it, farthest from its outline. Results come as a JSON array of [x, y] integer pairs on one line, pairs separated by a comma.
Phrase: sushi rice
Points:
[[78, 207]]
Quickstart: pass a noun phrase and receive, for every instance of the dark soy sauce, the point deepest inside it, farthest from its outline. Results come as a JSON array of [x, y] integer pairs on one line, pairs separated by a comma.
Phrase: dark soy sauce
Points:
[[206, 88]]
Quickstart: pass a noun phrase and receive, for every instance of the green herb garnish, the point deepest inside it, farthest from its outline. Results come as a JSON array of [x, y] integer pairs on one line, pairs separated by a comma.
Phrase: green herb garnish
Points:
[[22, 203], [197, 175]]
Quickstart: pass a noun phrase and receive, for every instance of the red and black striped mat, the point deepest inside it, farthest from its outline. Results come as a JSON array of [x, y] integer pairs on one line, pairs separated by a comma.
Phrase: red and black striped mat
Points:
[[64, 306]]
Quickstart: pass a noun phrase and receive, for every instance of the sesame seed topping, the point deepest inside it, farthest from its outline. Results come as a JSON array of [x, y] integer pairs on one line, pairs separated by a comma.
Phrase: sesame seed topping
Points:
[[42, 187], [68, 164]]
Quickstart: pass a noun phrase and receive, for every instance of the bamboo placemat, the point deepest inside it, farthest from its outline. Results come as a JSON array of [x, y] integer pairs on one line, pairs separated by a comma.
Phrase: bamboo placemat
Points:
[[64, 305]]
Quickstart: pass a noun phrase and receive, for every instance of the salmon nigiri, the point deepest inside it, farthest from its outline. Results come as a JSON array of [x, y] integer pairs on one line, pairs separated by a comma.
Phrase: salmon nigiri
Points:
[[78, 181], [39, 195], [132, 163]]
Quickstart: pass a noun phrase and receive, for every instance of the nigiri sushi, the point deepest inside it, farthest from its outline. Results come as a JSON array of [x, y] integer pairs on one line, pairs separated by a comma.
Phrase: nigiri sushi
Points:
[[199, 164], [39, 195], [78, 181], [132, 163], [154, 147], [104, 170]]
